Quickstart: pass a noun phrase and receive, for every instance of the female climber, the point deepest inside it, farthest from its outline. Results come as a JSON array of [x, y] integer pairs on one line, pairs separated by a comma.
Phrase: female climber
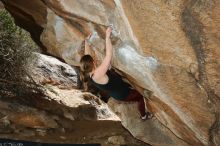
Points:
[[104, 80]]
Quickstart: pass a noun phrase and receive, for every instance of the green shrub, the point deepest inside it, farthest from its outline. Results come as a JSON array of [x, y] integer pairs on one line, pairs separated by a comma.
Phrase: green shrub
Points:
[[16, 58]]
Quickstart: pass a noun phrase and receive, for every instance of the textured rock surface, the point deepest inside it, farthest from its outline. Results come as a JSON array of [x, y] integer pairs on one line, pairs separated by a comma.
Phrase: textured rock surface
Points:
[[66, 115], [49, 70], [170, 47]]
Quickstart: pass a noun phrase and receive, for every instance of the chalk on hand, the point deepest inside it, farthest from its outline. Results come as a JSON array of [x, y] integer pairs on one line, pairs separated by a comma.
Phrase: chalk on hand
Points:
[[114, 31], [93, 35]]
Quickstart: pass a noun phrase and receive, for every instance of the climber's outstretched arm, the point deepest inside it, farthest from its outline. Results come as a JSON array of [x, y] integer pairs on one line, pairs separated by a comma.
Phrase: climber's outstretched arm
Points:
[[87, 46], [101, 70]]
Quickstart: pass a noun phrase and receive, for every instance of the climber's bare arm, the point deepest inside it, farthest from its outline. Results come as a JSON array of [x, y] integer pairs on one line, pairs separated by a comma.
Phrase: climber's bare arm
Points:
[[87, 47], [101, 70]]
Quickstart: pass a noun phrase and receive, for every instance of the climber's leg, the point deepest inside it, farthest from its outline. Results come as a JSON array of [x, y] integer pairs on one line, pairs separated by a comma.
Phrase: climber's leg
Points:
[[136, 96]]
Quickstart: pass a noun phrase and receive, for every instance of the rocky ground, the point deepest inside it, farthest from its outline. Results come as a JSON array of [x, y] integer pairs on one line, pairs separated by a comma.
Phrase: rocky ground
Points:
[[66, 115]]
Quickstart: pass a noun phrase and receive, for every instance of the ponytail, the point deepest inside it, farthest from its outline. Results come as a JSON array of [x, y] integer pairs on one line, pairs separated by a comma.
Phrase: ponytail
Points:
[[86, 66], [84, 77]]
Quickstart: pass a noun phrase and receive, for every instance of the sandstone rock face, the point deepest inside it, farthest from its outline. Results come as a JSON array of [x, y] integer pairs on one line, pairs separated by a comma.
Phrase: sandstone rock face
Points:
[[169, 47]]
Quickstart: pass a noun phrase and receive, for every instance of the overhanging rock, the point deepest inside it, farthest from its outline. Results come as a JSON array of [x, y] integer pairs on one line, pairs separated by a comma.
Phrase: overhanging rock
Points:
[[167, 47]]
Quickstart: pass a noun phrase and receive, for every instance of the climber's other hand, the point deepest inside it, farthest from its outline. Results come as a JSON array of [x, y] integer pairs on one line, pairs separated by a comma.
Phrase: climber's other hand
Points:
[[87, 38]]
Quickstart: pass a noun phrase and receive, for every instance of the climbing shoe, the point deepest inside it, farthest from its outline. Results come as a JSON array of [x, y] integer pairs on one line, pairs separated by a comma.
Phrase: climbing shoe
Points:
[[148, 115], [144, 117]]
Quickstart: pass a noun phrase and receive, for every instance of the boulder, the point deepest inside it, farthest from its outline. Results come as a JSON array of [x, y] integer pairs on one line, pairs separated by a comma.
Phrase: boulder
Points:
[[167, 47]]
